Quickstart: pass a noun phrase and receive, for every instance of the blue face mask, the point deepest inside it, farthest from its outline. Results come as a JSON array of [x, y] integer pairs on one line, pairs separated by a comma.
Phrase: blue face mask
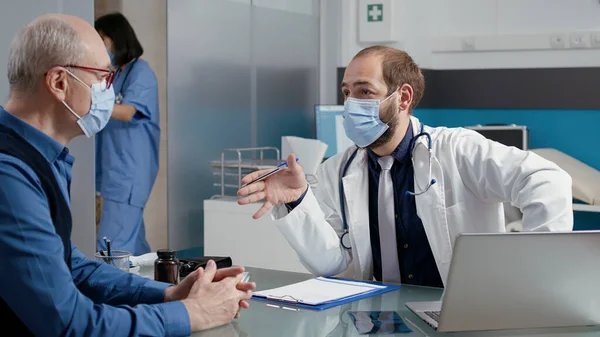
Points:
[[112, 57], [103, 102], [361, 120]]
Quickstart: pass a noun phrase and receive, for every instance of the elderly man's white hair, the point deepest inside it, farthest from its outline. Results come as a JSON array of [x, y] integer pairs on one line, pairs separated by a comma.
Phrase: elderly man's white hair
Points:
[[44, 43]]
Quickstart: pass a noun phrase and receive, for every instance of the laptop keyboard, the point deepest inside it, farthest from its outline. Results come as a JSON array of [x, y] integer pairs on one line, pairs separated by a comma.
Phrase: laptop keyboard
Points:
[[433, 314]]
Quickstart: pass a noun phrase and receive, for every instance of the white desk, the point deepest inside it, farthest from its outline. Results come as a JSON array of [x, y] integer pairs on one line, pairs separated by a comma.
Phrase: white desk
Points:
[[229, 230]]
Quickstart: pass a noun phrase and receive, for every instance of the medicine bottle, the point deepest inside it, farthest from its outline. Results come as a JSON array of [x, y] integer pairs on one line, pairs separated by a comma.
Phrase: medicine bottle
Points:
[[166, 267]]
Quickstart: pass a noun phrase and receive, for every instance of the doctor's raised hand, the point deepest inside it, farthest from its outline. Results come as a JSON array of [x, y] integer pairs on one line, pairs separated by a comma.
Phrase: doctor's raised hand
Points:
[[284, 187]]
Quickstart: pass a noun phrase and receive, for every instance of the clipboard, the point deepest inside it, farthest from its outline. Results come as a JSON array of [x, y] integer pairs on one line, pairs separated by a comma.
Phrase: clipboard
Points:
[[289, 300]]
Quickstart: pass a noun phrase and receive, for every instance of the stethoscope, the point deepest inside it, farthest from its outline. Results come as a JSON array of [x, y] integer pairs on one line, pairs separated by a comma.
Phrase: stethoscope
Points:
[[119, 96], [345, 239]]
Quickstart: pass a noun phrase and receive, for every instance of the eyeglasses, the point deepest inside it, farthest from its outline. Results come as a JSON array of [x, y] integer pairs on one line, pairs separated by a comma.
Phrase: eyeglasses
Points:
[[109, 78]]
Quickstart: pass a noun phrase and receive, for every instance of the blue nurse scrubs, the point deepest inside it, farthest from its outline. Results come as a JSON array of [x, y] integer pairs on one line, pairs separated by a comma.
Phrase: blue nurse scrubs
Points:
[[127, 161]]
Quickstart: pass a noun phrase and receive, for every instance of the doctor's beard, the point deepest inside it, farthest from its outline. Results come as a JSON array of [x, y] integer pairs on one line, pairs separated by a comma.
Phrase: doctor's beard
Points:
[[392, 126]]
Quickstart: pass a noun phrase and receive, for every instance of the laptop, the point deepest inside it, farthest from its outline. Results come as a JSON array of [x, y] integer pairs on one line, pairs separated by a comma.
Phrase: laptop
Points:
[[519, 281]]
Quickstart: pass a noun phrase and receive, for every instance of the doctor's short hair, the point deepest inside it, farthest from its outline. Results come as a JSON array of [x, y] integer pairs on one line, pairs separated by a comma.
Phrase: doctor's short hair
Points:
[[42, 44], [125, 43], [398, 69]]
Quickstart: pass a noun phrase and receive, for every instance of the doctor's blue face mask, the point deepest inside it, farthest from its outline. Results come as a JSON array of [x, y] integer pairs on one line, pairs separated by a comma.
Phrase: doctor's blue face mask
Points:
[[101, 108], [361, 120]]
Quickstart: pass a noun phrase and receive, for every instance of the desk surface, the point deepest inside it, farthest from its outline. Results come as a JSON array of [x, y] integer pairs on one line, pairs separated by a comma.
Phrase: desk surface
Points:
[[263, 321]]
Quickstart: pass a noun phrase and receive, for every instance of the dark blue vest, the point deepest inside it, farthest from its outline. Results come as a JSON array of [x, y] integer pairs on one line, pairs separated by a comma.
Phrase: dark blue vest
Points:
[[14, 145]]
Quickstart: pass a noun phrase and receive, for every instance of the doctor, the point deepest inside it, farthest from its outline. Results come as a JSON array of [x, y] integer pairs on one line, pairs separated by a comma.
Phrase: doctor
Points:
[[391, 207], [127, 149]]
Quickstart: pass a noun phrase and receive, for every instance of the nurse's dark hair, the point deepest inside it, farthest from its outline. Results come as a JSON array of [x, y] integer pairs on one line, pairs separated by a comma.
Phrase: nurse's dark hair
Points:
[[398, 69], [125, 43]]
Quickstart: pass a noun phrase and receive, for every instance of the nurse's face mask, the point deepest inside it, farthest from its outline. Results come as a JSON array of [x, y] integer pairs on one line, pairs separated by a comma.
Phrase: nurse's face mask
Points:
[[113, 59], [101, 107], [361, 120]]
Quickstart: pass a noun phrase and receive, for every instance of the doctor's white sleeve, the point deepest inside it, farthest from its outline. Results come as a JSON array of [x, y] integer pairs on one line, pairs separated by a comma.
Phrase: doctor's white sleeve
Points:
[[499, 173], [311, 228]]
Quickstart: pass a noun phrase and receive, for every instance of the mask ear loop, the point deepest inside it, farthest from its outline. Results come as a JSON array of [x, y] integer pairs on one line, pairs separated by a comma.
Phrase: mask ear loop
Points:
[[77, 78], [65, 103], [69, 108], [389, 96]]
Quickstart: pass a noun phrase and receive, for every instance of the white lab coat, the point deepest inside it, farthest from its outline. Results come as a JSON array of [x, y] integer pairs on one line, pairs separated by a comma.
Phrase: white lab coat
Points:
[[474, 176]]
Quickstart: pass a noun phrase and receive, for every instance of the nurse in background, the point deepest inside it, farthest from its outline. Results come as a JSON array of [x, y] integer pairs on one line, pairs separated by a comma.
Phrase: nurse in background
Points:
[[127, 149]]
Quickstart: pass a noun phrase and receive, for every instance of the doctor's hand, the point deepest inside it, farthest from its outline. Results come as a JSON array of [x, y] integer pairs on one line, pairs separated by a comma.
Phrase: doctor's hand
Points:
[[280, 188]]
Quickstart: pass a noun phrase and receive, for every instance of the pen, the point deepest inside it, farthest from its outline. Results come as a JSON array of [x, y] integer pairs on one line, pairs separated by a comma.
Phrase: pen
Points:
[[268, 174], [285, 308], [102, 253], [108, 248]]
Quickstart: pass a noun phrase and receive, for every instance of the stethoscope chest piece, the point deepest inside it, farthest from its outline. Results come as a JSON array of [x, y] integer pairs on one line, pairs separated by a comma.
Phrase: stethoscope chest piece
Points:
[[345, 240]]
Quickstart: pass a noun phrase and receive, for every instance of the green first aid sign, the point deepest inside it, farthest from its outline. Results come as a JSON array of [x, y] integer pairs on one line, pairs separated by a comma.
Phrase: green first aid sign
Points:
[[376, 21], [375, 13]]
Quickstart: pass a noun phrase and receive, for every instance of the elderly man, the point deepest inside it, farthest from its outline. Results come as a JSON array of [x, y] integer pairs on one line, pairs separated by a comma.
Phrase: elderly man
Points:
[[60, 84]]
